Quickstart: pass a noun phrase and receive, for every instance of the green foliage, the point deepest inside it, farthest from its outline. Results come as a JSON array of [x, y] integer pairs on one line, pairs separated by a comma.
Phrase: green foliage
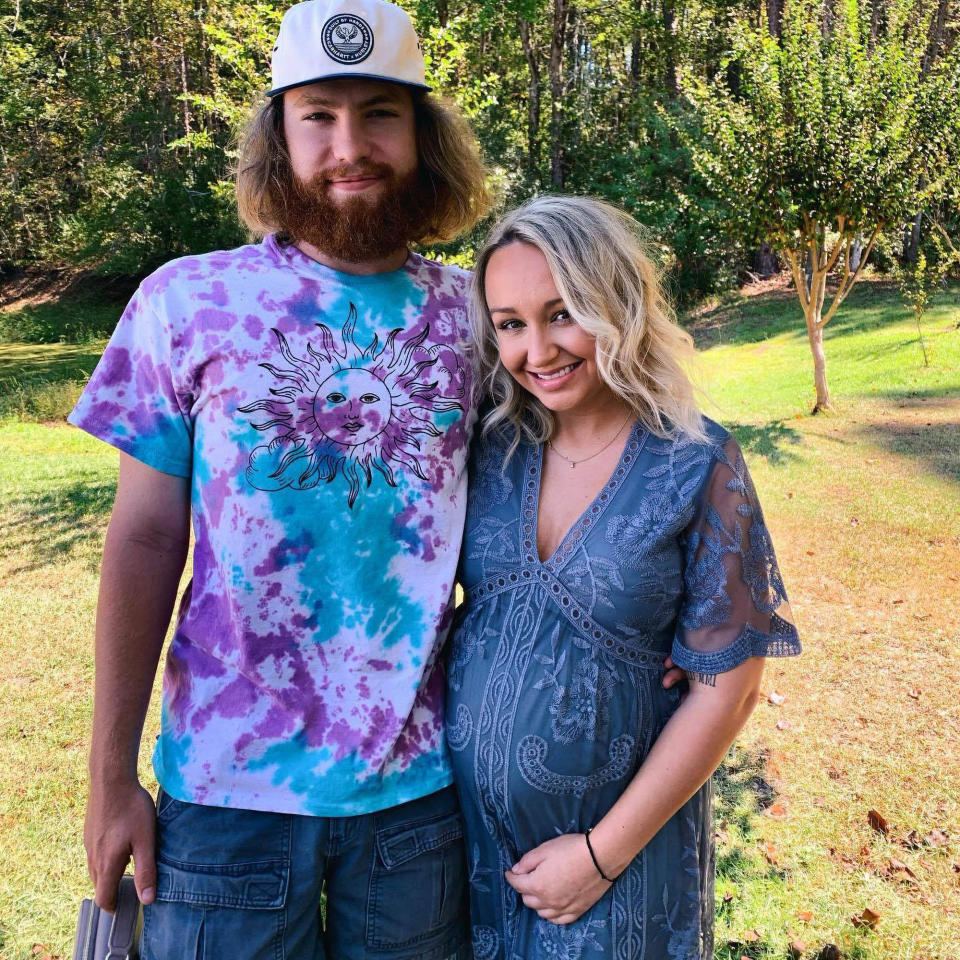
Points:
[[82, 322], [118, 119], [835, 123], [116, 140]]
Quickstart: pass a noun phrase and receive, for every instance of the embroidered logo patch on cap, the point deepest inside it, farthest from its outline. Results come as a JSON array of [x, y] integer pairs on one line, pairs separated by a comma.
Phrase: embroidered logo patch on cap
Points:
[[347, 38]]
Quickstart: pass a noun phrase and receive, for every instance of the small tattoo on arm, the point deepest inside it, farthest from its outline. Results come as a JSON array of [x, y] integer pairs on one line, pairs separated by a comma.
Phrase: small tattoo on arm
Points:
[[707, 679]]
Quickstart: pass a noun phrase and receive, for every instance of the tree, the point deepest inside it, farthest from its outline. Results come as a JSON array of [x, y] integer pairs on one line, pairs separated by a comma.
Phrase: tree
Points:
[[838, 129]]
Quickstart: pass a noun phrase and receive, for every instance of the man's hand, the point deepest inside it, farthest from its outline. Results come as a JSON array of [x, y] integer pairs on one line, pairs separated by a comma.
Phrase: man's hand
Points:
[[558, 879], [120, 823], [673, 676]]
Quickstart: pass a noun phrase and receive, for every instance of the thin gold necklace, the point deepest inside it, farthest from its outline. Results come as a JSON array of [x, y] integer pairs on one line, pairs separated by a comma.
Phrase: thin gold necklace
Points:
[[573, 463]]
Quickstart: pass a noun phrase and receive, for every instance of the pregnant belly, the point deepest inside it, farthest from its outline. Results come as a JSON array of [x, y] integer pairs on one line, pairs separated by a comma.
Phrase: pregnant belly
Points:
[[545, 739]]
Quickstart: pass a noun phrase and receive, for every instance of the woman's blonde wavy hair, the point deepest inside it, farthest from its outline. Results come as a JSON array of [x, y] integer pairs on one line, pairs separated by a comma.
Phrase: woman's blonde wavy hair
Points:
[[449, 161], [613, 290]]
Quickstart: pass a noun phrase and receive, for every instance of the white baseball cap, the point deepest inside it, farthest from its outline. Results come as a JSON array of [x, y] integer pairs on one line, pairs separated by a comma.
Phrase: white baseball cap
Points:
[[323, 39]]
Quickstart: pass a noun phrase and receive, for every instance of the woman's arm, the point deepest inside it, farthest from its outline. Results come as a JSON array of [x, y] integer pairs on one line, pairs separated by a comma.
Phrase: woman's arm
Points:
[[558, 879]]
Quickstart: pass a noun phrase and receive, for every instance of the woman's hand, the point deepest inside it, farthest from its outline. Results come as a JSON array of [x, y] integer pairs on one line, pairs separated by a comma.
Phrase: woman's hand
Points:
[[558, 879]]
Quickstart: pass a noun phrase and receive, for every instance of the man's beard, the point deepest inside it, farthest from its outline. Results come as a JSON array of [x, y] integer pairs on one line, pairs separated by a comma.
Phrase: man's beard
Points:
[[354, 229]]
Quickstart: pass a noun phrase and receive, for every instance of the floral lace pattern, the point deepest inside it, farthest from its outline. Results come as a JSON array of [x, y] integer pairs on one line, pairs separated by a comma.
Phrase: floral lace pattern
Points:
[[554, 695]]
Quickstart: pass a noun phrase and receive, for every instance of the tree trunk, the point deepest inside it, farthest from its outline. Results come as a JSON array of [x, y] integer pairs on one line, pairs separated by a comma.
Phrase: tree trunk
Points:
[[557, 47], [911, 240], [764, 261], [669, 49], [813, 316], [775, 18], [932, 53], [856, 254], [875, 11], [533, 97]]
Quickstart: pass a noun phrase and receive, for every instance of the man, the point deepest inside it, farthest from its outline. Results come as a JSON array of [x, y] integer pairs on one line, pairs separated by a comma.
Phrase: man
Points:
[[305, 398]]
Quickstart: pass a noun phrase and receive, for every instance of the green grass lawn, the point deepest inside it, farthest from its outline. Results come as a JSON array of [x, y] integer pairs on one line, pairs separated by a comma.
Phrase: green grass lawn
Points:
[[864, 506]]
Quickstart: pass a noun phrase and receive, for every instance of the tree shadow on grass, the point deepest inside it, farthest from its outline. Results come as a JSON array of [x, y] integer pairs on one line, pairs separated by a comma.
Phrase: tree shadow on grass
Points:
[[870, 306], [45, 527], [52, 363], [769, 440], [916, 398], [934, 443], [743, 790]]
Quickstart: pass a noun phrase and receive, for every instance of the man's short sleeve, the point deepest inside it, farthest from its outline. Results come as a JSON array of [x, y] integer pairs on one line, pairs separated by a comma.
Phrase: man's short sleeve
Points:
[[133, 401]]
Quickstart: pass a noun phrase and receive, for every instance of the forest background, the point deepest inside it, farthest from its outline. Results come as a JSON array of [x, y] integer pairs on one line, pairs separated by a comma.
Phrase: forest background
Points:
[[727, 127]]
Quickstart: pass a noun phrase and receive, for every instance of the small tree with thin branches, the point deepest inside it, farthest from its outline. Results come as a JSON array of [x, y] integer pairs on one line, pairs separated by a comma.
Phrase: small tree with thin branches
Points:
[[823, 133]]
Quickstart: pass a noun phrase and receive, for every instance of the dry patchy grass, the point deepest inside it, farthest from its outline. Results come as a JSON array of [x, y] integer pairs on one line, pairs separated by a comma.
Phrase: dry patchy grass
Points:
[[868, 537]]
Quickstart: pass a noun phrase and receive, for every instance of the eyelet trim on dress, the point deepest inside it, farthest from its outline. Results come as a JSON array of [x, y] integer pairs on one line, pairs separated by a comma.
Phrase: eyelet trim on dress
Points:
[[578, 618]]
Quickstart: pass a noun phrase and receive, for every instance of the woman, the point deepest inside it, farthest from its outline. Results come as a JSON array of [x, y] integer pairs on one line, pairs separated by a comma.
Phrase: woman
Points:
[[609, 526]]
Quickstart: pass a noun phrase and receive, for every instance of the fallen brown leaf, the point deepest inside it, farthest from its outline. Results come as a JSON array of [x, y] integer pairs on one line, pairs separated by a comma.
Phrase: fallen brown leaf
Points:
[[913, 693], [937, 838], [777, 810], [797, 948], [898, 866], [751, 936], [830, 951], [912, 841], [878, 821], [869, 918], [834, 774], [805, 916]]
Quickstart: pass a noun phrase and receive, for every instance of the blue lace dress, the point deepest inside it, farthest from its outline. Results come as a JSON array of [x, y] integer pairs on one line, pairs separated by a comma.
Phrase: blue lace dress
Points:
[[554, 679]]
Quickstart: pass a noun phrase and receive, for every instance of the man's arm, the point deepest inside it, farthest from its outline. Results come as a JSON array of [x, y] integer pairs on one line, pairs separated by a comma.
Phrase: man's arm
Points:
[[143, 557]]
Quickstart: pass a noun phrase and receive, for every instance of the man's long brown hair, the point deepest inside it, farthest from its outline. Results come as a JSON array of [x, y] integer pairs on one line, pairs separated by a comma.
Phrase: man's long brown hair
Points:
[[449, 160]]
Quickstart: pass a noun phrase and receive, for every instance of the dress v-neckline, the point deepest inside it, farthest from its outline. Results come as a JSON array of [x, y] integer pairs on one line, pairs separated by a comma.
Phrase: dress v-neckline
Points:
[[596, 507]]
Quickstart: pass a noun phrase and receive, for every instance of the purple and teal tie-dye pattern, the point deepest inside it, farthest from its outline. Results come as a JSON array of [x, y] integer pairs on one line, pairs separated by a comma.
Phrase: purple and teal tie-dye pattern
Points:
[[324, 420]]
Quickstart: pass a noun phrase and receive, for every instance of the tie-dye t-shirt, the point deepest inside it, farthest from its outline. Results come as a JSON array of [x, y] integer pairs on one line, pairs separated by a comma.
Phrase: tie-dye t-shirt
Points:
[[324, 420]]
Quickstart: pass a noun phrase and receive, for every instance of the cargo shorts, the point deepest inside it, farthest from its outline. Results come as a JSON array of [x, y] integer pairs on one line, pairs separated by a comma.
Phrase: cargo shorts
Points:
[[247, 885]]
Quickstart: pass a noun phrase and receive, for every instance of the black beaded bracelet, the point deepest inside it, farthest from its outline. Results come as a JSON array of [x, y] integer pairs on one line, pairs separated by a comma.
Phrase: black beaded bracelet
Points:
[[593, 856]]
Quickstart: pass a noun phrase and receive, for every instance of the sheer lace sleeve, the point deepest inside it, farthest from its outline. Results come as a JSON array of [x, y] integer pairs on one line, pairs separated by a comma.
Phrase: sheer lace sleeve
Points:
[[735, 606]]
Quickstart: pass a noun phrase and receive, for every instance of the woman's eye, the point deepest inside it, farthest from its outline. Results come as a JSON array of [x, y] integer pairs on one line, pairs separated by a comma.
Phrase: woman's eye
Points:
[[562, 316], [510, 325]]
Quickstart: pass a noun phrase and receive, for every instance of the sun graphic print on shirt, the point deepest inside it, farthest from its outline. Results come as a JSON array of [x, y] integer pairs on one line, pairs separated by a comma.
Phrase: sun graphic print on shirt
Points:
[[346, 410]]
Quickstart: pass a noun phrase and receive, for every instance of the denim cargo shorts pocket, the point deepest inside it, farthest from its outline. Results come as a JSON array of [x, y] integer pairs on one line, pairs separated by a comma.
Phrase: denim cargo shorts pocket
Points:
[[221, 857], [220, 872], [419, 882]]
